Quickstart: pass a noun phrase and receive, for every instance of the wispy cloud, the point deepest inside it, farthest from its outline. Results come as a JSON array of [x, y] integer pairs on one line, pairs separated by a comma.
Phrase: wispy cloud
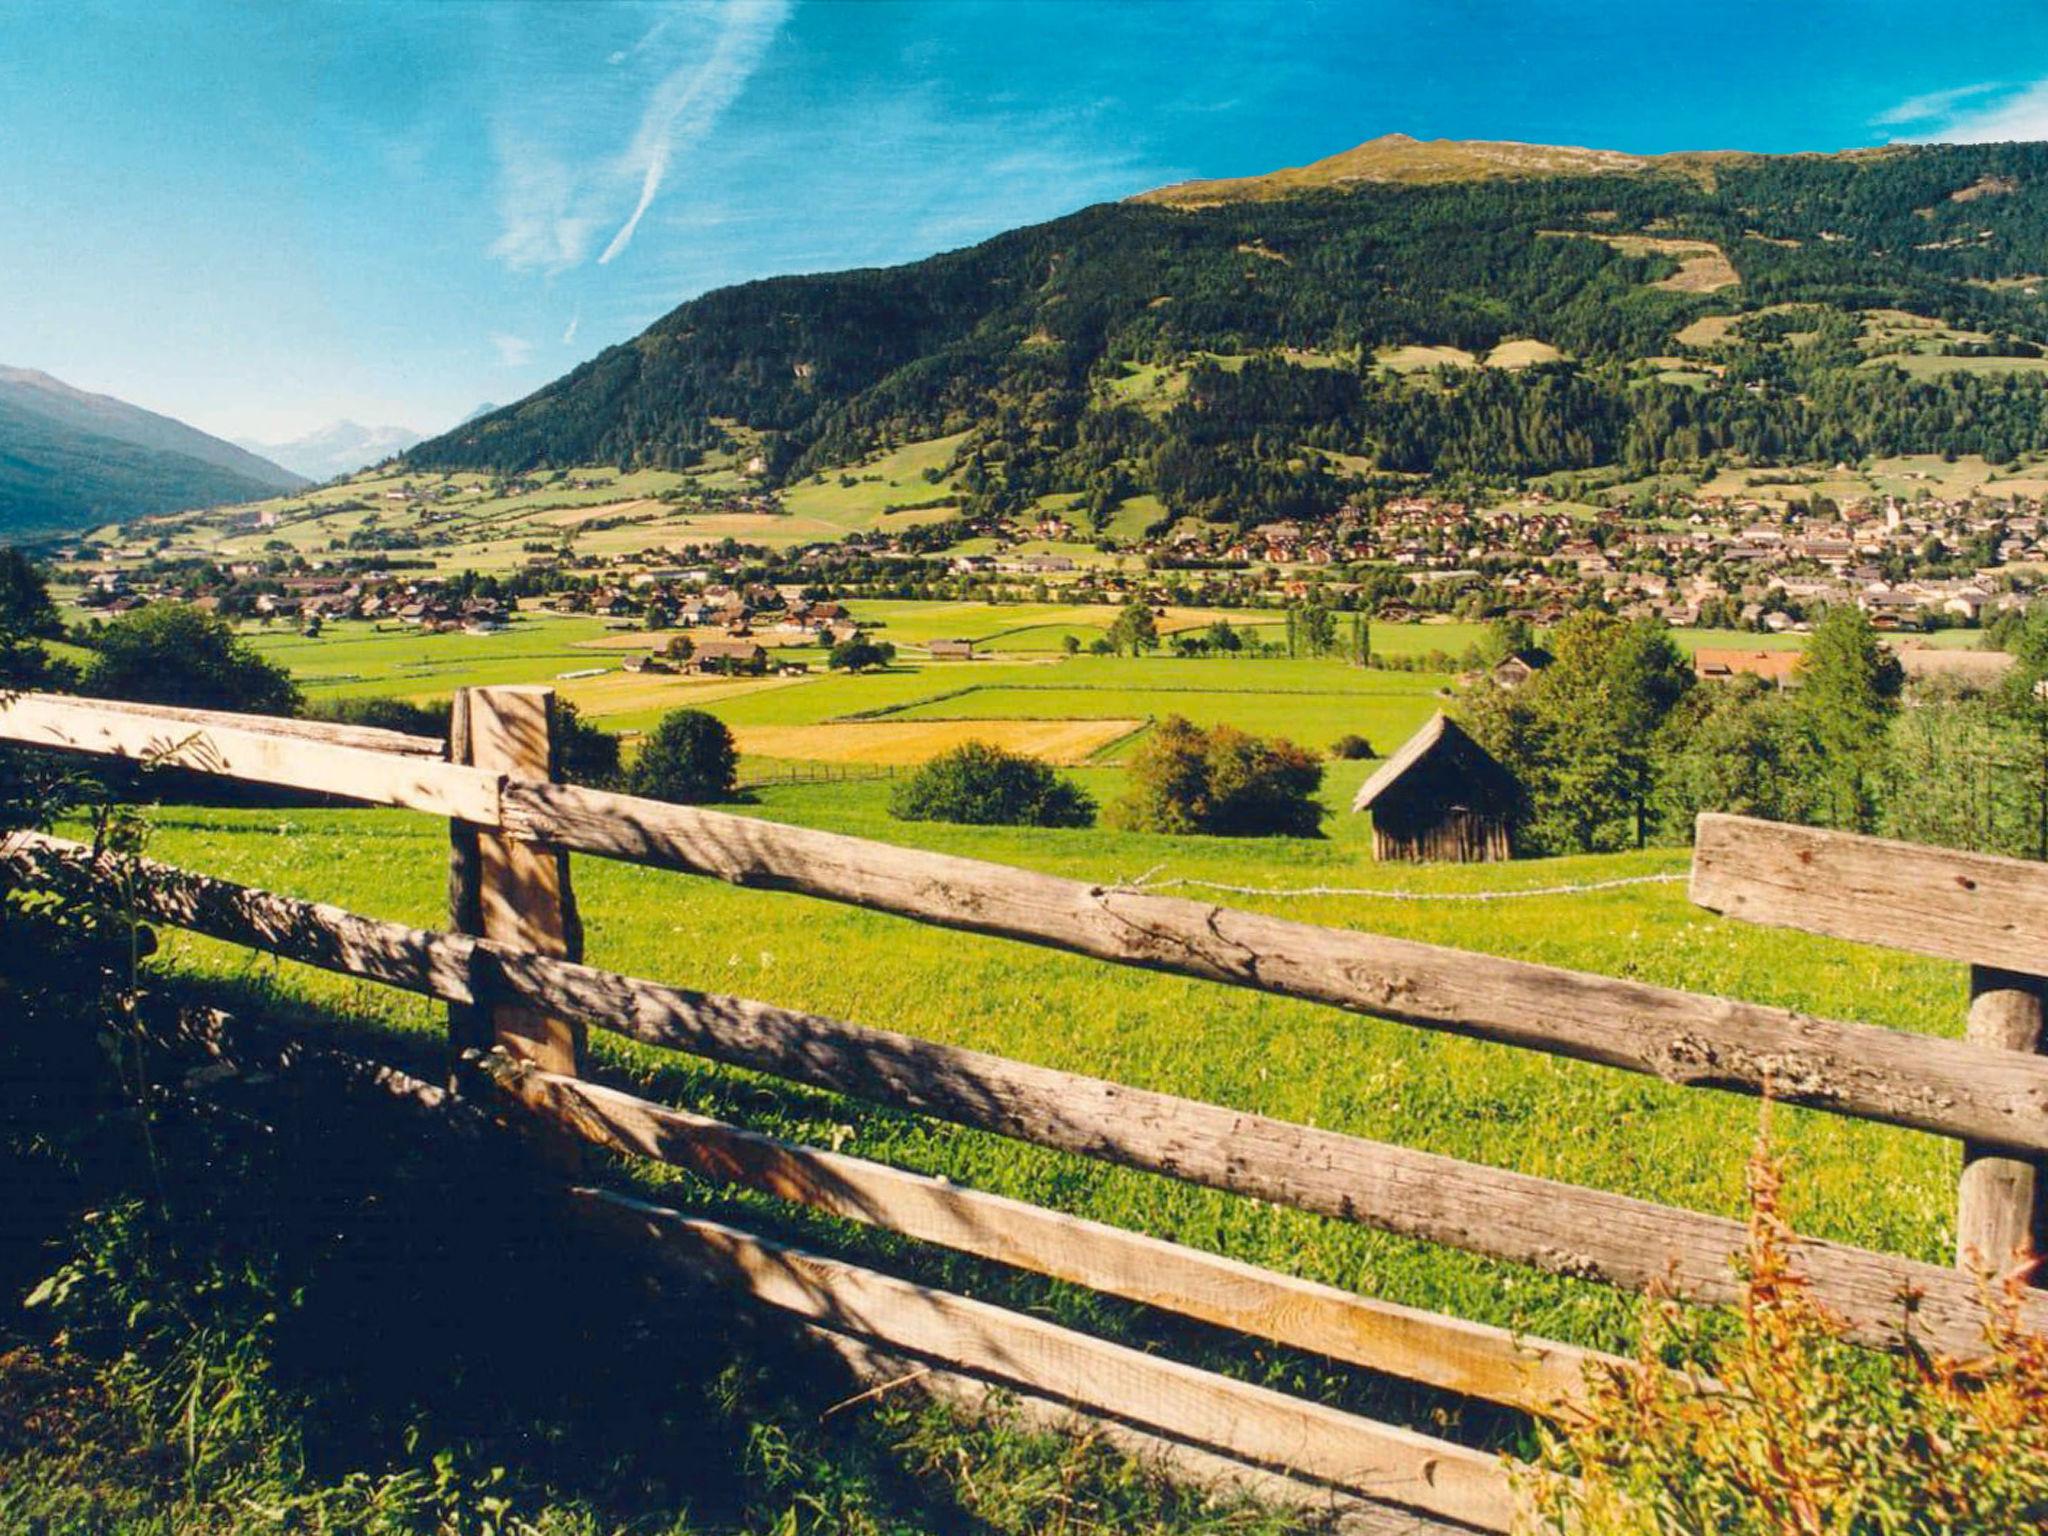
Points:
[[1975, 114], [691, 99], [569, 331], [1933, 106], [542, 227], [513, 351], [551, 201]]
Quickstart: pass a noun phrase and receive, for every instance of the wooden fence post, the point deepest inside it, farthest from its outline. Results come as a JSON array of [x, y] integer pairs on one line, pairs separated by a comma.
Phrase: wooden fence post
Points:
[[2002, 1203], [517, 893]]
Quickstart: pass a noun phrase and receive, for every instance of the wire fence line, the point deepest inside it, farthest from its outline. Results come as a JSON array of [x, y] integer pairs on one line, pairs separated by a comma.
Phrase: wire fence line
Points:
[[1147, 883]]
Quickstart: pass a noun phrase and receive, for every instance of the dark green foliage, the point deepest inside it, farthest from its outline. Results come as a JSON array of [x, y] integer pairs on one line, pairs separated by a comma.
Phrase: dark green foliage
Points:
[[857, 653], [983, 786], [1013, 340], [27, 617], [402, 715], [1739, 747], [1135, 631], [1220, 781], [689, 759], [171, 653], [26, 611], [1351, 747], [585, 753], [1582, 735], [1848, 693]]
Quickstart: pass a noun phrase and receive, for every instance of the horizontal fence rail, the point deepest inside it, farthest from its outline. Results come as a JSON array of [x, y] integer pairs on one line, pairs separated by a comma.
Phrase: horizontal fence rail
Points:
[[1379, 1460], [1975, 907], [519, 999], [1538, 1375], [336, 733], [256, 753], [1948, 1087]]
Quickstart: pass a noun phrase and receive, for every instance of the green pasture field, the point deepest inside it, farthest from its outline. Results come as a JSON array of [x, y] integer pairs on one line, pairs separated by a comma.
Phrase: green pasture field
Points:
[[1922, 365], [1026, 676], [890, 479], [1266, 698], [1134, 514], [363, 660], [1539, 1115]]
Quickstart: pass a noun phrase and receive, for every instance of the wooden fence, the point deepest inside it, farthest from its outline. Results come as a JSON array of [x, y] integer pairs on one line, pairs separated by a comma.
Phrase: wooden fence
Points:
[[510, 968]]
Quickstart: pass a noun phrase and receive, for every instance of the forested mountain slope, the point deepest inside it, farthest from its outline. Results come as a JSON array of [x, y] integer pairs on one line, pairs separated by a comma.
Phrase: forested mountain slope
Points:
[[1886, 303], [70, 459]]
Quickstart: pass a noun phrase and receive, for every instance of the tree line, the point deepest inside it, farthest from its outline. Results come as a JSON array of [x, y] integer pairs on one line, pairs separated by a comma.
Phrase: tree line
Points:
[[1617, 745]]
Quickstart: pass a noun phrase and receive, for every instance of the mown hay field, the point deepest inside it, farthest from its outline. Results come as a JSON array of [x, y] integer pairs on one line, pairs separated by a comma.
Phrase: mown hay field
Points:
[[907, 742]]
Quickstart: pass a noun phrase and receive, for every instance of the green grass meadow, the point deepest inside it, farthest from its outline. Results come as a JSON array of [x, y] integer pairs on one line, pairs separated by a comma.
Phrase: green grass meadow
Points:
[[1558, 1119], [1582, 1124]]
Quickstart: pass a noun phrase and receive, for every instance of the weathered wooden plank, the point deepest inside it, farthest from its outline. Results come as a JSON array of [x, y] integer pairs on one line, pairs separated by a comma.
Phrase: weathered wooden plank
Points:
[[1974, 907], [1378, 1460], [2002, 1202], [1538, 1375], [254, 756], [436, 964], [1945, 1086], [334, 732], [469, 1024], [1591, 1234], [521, 895], [1326, 1510]]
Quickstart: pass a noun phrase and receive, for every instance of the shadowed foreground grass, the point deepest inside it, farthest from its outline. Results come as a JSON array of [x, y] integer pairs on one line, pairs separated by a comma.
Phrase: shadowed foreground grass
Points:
[[297, 1304]]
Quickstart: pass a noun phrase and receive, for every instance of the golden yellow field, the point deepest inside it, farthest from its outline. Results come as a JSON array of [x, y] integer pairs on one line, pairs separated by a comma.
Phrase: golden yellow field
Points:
[[1411, 358], [1524, 352], [915, 741], [1702, 266], [618, 693]]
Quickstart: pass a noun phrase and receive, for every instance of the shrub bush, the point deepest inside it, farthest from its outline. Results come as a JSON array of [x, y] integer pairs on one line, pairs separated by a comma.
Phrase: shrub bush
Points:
[[401, 715], [858, 653], [170, 653], [690, 758], [984, 786], [1221, 781], [1351, 747], [1787, 1427], [584, 753]]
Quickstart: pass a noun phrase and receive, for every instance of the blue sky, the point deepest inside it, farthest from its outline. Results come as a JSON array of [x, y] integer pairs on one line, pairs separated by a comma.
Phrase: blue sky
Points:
[[262, 218]]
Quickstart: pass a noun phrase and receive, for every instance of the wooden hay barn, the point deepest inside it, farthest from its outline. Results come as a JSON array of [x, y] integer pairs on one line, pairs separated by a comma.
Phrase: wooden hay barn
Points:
[[1443, 797]]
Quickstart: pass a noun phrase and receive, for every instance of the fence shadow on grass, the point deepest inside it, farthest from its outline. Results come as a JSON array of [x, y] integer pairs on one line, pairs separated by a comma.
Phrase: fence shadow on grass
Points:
[[409, 1290]]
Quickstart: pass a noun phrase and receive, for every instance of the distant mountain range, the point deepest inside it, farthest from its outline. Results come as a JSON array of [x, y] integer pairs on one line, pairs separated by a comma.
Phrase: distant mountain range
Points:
[[340, 448], [1285, 345], [72, 460]]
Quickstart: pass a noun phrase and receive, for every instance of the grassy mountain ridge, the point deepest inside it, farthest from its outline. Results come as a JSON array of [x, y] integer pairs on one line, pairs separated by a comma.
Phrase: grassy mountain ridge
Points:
[[1396, 157], [1021, 341], [1399, 158]]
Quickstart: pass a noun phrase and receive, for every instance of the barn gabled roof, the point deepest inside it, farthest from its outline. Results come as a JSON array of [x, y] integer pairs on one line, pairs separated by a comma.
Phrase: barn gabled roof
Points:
[[1441, 744]]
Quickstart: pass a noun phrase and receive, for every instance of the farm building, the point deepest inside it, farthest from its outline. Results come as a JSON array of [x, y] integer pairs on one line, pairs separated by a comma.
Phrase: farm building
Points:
[[1442, 796], [1779, 667], [731, 657], [951, 650]]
